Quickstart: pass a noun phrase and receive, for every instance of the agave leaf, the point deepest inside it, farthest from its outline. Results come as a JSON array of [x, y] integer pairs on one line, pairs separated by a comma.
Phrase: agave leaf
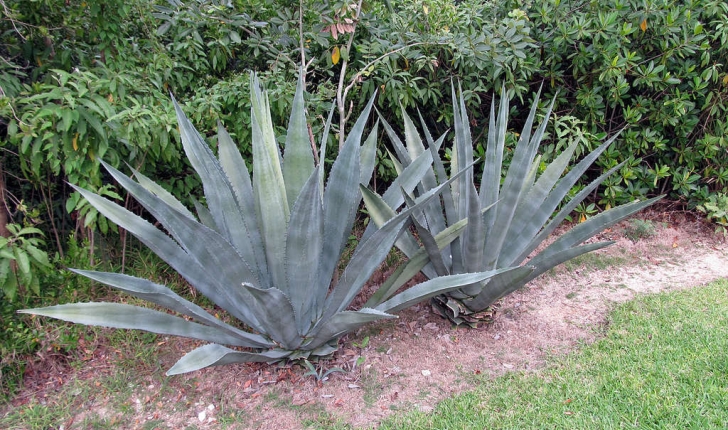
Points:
[[548, 260], [393, 198], [160, 192], [451, 254], [341, 199], [204, 215], [297, 157], [511, 190], [269, 188], [216, 355], [275, 312], [440, 285], [116, 315], [474, 233], [435, 214], [220, 198], [500, 286], [402, 154], [407, 180], [415, 147], [322, 149], [532, 234], [344, 322], [367, 257], [380, 212], [415, 264], [430, 245], [208, 246], [492, 167], [462, 155], [369, 155], [304, 243], [163, 296], [414, 144], [541, 189], [234, 167], [594, 225], [166, 248], [398, 168]]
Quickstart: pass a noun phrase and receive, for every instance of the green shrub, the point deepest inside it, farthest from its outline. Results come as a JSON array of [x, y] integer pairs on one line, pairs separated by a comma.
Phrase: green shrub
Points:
[[658, 71]]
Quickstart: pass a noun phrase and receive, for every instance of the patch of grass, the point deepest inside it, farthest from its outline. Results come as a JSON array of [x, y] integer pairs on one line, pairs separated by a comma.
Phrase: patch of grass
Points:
[[371, 385], [595, 261], [661, 365], [637, 229]]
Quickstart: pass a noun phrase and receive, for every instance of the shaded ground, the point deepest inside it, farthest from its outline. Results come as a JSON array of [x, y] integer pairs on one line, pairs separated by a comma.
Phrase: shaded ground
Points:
[[404, 364]]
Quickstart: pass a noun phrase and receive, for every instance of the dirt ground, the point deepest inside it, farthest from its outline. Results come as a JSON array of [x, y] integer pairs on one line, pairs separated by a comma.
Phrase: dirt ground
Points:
[[417, 360]]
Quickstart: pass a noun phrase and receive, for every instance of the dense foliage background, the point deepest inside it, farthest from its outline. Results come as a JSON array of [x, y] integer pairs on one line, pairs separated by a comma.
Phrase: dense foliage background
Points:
[[84, 80]]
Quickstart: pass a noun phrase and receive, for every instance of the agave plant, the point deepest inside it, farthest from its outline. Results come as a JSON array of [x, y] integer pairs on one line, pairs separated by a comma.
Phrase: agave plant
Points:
[[501, 222], [264, 249]]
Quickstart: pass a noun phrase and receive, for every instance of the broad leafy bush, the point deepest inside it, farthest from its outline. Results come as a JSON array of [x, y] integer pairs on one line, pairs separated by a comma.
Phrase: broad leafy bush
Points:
[[660, 72]]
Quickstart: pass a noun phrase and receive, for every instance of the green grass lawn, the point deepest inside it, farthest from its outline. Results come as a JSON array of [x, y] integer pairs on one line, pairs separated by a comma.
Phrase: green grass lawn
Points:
[[662, 365]]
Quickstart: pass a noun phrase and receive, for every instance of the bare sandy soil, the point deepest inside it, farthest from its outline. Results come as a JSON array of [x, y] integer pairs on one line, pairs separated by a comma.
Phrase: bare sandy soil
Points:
[[417, 360]]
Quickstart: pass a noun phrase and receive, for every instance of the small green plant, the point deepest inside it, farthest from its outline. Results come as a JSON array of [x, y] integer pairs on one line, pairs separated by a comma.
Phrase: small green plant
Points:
[[716, 210], [584, 211], [319, 373], [22, 261], [637, 229]]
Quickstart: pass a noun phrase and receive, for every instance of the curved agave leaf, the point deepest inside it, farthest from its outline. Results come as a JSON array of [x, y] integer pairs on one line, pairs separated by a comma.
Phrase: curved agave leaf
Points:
[[269, 187], [275, 312], [443, 284], [116, 315], [161, 193], [218, 192], [217, 355], [344, 322], [522, 242], [304, 244], [163, 296], [594, 225], [166, 248], [497, 289], [235, 169], [341, 201], [297, 156]]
